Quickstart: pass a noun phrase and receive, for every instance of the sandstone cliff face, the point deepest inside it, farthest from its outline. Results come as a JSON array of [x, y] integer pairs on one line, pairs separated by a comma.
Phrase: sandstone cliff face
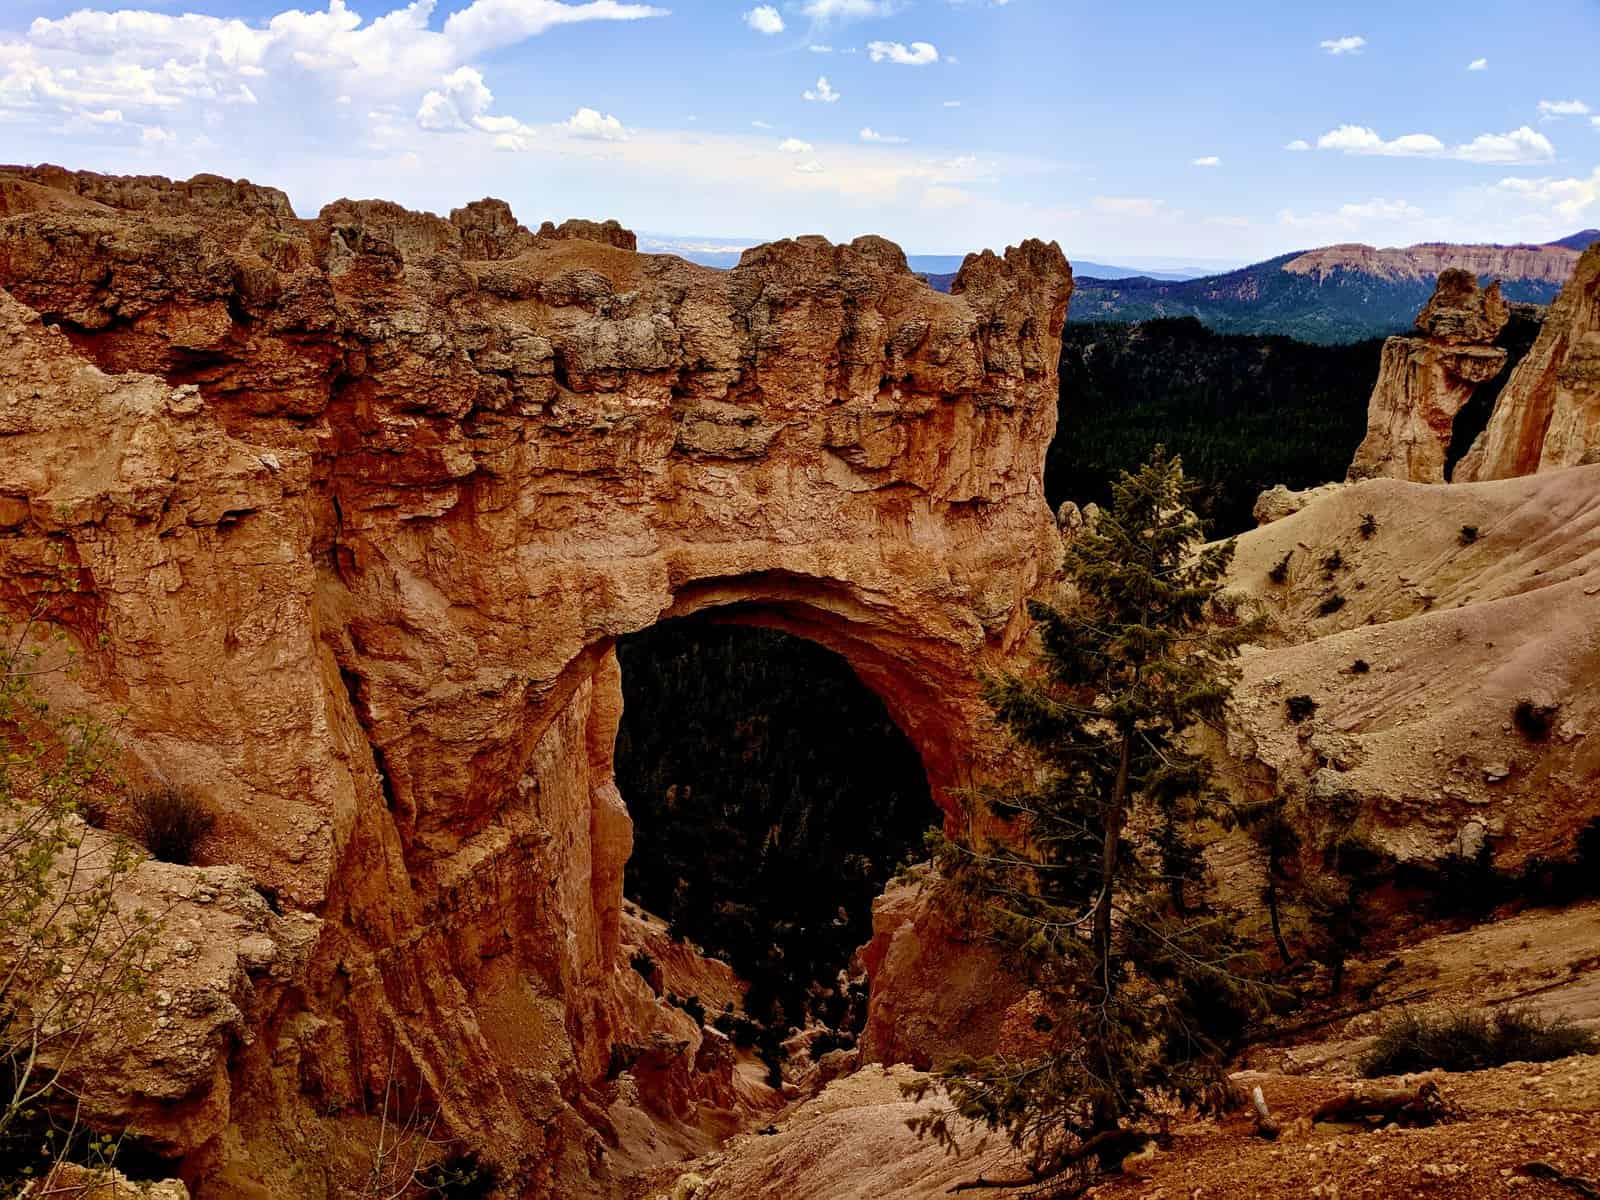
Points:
[[1423, 382], [359, 506], [1544, 264], [1548, 416]]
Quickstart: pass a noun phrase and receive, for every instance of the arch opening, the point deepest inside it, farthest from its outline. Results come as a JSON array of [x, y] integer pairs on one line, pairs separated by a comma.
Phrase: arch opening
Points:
[[772, 796]]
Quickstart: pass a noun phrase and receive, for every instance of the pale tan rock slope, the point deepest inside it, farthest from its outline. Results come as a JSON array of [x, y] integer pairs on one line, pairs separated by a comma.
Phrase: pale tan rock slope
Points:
[[360, 504], [1455, 630]]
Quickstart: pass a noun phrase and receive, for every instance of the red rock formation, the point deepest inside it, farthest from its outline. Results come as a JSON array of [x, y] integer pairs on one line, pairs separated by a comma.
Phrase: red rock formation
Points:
[[360, 505], [1423, 382], [1548, 416]]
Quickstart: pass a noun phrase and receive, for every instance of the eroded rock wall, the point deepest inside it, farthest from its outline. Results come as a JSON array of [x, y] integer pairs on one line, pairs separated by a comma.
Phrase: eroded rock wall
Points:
[[359, 505], [1424, 381], [1548, 416]]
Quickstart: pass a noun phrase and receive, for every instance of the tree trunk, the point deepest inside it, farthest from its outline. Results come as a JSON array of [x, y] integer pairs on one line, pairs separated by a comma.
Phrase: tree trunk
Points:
[[1116, 818], [1272, 913]]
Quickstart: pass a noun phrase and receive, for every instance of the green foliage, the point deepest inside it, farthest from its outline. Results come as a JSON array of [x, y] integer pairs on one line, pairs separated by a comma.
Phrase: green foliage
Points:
[[70, 951], [1465, 1040], [1300, 709], [1244, 413], [1095, 895], [1534, 721], [459, 1177], [171, 822], [754, 764]]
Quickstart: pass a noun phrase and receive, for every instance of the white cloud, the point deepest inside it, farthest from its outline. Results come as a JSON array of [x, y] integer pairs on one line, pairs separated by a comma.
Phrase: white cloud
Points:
[[1298, 144], [819, 48], [1354, 218], [918, 54], [869, 134], [1549, 109], [762, 124], [1209, 160], [590, 126], [823, 93], [1358, 139], [156, 135], [1519, 146], [1570, 198], [952, 104], [811, 167], [795, 146], [763, 18], [849, 10], [488, 24], [461, 96], [1478, 64], [1345, 45]]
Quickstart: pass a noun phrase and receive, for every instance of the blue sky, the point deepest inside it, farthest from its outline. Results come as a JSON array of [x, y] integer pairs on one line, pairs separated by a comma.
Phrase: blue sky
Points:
[[1135, 130]]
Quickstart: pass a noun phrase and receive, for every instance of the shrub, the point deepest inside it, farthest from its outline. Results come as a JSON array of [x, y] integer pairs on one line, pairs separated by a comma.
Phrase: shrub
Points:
[[1369, 525], [1467, 1040], [171, 822], [1360, 667], [1280, 571], [1534, 721], [1300, 708], [459, 1177], [1334, 562], [1469, 534], [643, 963], [1331, 605]]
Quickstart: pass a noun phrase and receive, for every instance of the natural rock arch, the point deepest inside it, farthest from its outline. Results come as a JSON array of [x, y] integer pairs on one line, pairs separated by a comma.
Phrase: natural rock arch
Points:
[[360, 505]]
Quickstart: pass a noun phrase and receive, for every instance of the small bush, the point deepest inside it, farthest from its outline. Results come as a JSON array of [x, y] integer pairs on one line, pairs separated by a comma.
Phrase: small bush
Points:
[[1534, 721], [1369, 525], [1280, 572], [1360, 667], [1465, 1040], [644, 964], [1334, 562], [1300, 708], [1469, 534], [1331, 605], [171, 822], [459, 1177]]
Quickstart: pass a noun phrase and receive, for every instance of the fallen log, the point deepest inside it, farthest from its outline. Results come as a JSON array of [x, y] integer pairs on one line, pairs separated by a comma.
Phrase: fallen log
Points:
[[1576, 1183], [1375, 1106]]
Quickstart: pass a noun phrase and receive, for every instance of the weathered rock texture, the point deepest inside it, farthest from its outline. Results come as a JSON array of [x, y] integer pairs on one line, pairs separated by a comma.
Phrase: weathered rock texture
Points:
[[1548, 416], [359, 506], [1547, 264], [1423, 382], [1417, 645]]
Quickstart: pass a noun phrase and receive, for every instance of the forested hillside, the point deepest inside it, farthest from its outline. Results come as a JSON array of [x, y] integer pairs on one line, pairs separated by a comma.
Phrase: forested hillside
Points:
[[755, 765]]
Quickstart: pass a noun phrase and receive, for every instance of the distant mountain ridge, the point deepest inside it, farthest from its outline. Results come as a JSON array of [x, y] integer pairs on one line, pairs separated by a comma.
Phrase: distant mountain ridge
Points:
[[1334, 294]]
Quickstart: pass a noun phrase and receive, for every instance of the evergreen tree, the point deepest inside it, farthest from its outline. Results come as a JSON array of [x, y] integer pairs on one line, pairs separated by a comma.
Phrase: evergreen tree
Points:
[[1092, 891]]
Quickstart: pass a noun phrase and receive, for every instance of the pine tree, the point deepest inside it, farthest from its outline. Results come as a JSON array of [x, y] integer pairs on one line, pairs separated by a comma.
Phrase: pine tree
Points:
[[1092, 893]]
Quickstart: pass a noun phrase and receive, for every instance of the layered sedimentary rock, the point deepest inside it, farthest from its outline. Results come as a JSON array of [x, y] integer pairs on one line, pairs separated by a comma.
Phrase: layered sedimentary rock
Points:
[[1548, 415], [1424, 381], [358, 506], [1544, 264]]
